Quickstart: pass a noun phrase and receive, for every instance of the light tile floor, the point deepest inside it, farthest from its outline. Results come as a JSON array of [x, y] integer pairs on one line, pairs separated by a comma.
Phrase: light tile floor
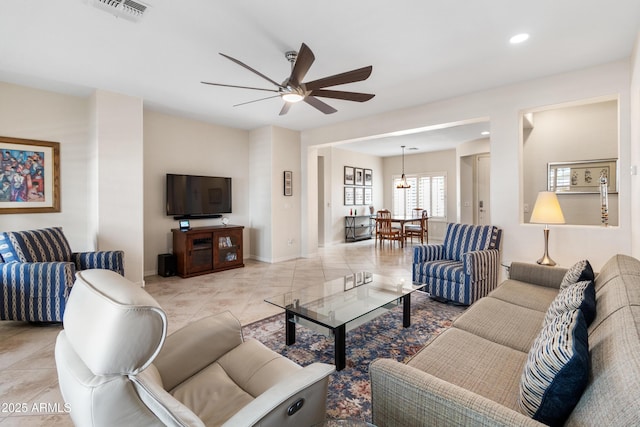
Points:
[[29, 393]]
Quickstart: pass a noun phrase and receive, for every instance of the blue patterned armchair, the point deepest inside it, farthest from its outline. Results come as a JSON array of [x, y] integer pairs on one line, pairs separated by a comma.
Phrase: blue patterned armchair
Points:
[[37, 270], [464, 268]]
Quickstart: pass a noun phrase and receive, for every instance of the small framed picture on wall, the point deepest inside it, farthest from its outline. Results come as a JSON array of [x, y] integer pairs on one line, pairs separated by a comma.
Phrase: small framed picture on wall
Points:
[[288, 189], [348, 175], [348, 196], [368, 196], [368, 177], [359, 196], [359, 176]]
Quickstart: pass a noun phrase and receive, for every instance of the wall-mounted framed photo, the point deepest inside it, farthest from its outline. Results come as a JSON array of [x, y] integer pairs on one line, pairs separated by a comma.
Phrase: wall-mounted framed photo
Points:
[[368, 196], [348, 196], [368, 177], [288, 183], [359, 196], [583, 176], [348, 175], [30, 176], [359, 176]]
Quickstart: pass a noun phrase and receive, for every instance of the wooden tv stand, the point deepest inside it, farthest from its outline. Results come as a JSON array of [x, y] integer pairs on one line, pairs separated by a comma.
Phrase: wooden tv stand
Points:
[[202, 250]]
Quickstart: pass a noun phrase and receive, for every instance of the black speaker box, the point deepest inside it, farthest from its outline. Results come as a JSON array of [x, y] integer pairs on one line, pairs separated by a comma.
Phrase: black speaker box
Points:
[[166, 265]]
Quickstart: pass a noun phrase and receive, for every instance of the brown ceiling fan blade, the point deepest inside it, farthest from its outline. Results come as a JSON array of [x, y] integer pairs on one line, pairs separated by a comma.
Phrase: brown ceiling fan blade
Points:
[[320, 105], [285, 108], [340, 79], [339, 94], [242, 64], [303, 62], [256, 100], [240, 87]]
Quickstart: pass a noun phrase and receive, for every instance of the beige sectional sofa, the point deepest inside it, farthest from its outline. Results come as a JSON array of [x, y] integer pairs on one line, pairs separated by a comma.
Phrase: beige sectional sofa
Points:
[[470, 374]]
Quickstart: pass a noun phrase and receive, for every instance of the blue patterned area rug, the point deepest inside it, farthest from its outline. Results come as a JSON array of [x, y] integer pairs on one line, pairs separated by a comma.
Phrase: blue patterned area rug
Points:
[[383, 337]]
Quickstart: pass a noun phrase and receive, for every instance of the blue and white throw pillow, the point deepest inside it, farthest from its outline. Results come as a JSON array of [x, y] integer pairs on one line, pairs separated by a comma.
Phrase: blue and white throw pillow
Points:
[[557, 369], [579, 272], [581, 295]]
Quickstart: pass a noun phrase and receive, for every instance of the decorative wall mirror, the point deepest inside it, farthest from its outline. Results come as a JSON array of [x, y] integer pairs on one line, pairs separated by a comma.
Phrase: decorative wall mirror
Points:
[[566, 149]]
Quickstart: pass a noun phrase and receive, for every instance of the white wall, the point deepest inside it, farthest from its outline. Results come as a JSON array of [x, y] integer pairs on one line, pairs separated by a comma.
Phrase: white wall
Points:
[[335, 160], [635, 149], [36, 114], [571, 133], [503, 105], [177, 145], [260, 193], [118, 173]]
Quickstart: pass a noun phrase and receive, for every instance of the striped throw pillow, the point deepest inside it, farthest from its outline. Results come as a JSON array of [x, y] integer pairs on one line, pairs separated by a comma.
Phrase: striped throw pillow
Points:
[[579, 272], [557, 369], [581, 295]]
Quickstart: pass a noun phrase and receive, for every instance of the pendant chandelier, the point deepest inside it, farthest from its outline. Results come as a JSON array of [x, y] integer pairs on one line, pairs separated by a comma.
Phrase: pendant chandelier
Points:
[[403, 180]]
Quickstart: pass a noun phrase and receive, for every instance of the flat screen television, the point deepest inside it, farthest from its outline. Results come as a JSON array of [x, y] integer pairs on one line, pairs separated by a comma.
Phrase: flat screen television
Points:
[[192, 196]]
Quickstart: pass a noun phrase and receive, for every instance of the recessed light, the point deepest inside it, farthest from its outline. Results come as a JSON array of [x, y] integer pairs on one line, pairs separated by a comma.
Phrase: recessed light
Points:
[[485, 133], [519, 38], [412, 148]]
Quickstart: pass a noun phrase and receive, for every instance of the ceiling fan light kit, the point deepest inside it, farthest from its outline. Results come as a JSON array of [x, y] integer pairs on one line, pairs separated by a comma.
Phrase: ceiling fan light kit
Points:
[[293, 90]]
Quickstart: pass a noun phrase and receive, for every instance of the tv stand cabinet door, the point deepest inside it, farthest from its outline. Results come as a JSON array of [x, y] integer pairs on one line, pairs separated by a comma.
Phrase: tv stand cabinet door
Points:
[[193, 251], [227, 248]]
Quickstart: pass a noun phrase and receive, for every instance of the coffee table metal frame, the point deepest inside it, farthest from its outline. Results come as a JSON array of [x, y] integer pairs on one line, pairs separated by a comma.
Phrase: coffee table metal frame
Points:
[[335, 304]]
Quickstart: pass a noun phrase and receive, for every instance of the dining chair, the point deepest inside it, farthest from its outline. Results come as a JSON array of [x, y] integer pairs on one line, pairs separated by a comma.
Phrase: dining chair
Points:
[[420, 230], [385, 230]]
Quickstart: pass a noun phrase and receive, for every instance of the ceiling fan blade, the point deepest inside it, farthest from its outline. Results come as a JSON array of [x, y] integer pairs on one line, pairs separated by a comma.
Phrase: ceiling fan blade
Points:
[[338, 94], [240, 87], [320, 105], [303, 62], [256, 100], [340, 79], [242, 64], [285, 108]]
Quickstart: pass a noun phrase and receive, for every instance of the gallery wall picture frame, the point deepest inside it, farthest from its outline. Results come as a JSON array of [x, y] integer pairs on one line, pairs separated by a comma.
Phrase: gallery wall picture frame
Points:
[[359, 196], [368, 196], [288, 183], [349, 175], [359, 176], [30, 176], [368, 177], [348, 196], [582, 177]]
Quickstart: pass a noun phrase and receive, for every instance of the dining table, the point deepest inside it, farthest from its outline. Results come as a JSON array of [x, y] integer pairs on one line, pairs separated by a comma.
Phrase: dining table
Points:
[[402, 220]]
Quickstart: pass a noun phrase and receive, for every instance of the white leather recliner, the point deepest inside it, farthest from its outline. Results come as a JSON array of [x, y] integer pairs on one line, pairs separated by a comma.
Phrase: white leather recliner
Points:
[[117, 366]]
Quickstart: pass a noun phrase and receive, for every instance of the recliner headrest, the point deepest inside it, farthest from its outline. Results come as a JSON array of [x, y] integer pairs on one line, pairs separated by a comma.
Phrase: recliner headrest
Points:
[[112, 324]]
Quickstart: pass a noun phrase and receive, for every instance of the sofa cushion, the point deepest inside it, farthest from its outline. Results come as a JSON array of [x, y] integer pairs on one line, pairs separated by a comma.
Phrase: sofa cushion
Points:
[[44, 245], [525, 294], [449, 270], [557, 369], [493, 319], [579, 272], [581, 295], [475, 364]]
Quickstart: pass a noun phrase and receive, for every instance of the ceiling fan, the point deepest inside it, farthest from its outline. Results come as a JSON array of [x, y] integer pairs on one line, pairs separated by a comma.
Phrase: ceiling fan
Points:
[[293, 90]]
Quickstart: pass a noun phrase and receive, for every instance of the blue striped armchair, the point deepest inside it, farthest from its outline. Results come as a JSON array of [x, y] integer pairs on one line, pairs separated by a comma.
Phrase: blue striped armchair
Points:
[[37, 270], [464, 268]]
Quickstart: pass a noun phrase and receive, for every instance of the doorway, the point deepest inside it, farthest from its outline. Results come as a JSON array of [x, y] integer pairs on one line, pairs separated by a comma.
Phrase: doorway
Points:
[[482, 181]]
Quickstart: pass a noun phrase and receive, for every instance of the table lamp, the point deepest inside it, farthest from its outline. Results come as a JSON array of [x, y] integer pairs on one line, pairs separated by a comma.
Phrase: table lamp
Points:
[[547, 211]]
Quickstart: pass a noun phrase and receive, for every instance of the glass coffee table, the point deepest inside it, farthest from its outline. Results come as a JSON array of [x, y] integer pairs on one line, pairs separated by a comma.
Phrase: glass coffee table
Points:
[[341, 305]]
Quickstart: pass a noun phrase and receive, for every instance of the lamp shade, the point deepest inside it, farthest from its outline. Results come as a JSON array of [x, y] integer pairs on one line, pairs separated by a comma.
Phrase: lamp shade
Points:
[[547, 209]]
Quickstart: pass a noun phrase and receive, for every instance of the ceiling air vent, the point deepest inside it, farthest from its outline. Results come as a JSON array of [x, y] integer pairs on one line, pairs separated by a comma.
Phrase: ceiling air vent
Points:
[[128, 9]]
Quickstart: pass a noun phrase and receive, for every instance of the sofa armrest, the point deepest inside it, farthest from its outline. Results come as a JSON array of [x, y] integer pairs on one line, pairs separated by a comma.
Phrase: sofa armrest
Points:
[[270, 408], [402, 395], [423, 253], [106, 260], [197, 345], [35, 291], [479, 264], [542, 275]]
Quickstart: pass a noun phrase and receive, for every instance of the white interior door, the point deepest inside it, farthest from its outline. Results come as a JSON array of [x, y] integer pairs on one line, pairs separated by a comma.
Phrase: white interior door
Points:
[[483, 180]]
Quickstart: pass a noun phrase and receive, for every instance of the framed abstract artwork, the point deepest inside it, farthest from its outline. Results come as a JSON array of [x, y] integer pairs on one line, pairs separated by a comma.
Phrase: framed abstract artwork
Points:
[[29, 176]]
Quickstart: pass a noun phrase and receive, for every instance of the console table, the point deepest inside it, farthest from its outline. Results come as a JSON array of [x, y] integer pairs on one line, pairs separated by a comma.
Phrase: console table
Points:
[[202, 250], [358, 227]]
